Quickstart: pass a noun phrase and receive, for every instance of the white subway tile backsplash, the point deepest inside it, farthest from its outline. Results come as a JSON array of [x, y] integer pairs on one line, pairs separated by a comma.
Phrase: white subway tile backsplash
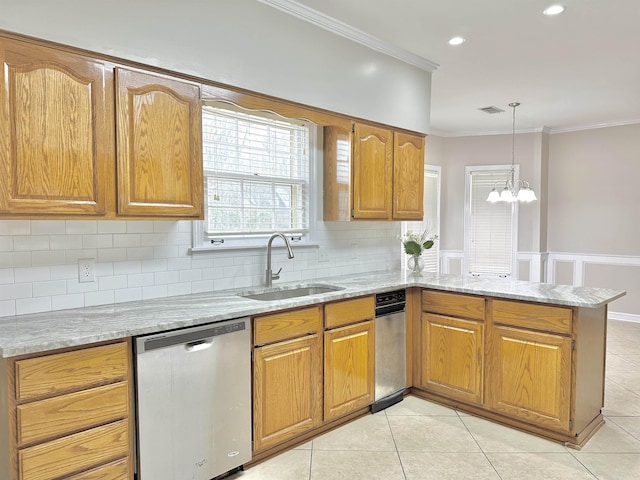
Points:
[[65, 242], [113, 282], [7, 308], [6, 244], [48, 258], [48, 227], [128, 294], [50, 288], [140, 280], [137, 260], [127, 268], [139, 253], [97, 241], [140, 226], [112, 255], [33, 305], [155, 291], [16, 290], [112, 226], [81, 227], [62, 302], [126, 240], [98, 298], [32, 274], [7, 275], [15, 227], [23, 243]]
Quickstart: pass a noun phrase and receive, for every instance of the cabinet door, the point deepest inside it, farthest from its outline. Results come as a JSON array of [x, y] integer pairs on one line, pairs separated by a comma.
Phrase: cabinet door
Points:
[[348, 369], [56, 133], [287, 390], [372, 172], [452, 357], [529, 376], [159, 140], [408, 176]]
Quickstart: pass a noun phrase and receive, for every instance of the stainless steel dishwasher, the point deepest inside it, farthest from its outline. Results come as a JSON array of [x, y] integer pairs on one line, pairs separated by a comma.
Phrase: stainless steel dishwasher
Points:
[[193, 401], [390, 349]]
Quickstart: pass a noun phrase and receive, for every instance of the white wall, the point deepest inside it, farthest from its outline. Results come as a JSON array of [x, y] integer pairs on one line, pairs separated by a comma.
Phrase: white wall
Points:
[[241, 43]]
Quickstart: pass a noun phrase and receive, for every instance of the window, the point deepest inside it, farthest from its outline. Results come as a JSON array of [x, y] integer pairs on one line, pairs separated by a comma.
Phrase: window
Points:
[[431, 219], [257, 169], [490, 228]]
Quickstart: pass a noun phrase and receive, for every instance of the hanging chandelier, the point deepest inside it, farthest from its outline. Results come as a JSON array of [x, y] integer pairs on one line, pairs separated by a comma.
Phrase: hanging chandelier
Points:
[[513, 191]]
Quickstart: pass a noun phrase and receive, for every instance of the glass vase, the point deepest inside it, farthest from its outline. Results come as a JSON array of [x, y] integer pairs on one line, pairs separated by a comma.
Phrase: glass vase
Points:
[[415, 264]]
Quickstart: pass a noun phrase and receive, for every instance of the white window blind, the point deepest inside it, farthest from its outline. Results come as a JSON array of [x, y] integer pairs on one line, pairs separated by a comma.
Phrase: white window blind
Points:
[[490, 226], [256, 168], [431, 220]]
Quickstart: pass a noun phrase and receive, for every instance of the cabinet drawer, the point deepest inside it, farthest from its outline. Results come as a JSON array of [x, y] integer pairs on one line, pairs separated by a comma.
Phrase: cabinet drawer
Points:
[[118, 470], [65, 372], [282, 326], [74, 453], [349, 311], [72, 412], [533, 316], [454, 304]]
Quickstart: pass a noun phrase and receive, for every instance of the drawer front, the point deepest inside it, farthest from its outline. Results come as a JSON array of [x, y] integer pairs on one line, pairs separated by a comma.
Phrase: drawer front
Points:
[[533, 316], [65, 372], [118, 470], [283, 326], [349, 311], [73, 412], [82, 451], [453, 304]]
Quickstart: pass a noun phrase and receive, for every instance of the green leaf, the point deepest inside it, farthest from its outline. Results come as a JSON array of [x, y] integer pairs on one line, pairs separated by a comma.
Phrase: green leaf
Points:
[[412, 248], [428, 244]]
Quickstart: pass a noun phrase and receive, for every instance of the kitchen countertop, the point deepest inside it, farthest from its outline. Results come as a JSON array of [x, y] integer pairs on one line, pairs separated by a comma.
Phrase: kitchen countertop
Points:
[[22, 334]]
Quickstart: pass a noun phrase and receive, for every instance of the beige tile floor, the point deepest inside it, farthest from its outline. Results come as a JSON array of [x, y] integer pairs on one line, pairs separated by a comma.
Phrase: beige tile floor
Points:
[[419, 440]]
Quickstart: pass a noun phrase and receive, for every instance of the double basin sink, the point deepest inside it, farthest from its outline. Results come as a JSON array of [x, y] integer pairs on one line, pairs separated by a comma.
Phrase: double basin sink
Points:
[[284, 293]]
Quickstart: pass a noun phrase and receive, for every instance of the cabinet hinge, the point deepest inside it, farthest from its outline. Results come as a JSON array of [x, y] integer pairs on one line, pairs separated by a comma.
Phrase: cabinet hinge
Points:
[[570, 424], [573, 345], [353, 213], [251, 355], [353, 128]]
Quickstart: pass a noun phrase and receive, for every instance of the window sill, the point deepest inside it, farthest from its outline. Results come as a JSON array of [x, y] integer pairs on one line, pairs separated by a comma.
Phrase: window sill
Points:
[[220, 248]]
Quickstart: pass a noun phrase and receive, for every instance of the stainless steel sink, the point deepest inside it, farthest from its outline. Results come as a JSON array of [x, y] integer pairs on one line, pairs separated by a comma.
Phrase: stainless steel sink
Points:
[[285, 293]]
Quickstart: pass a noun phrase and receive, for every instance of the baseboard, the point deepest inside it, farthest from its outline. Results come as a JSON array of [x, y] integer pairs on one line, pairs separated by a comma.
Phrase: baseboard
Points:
[[625, 317]]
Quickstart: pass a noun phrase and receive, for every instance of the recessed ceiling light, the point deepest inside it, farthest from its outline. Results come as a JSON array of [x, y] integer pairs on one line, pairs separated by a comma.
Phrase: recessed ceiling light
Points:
[[457, 41], [553, 10]]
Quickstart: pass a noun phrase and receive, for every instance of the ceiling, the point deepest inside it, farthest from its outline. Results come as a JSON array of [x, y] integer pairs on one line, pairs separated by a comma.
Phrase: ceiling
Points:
[[577, 70]]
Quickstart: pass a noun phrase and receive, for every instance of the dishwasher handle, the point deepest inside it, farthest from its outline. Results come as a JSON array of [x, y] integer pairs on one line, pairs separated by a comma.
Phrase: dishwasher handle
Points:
[[195, 337]]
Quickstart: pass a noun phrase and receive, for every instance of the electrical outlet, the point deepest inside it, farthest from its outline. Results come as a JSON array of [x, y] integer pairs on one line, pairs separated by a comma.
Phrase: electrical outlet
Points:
[[323, 255], [86, 270]]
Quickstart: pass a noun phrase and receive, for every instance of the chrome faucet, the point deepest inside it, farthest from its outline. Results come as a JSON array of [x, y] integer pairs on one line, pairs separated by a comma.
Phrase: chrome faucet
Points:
[[270, 276]]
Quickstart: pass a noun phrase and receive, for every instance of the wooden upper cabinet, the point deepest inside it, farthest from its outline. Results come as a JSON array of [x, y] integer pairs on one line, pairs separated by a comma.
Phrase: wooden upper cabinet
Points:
[[408, 176], [56, 132], [372, 172], [159, 146]]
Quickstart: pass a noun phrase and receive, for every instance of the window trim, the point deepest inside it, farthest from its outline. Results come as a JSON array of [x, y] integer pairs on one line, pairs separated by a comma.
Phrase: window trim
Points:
[[467, 219], [203, 243]]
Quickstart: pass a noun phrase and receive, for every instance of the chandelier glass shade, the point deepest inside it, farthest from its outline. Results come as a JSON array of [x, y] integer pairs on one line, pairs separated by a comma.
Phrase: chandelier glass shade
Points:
[[513, 190]]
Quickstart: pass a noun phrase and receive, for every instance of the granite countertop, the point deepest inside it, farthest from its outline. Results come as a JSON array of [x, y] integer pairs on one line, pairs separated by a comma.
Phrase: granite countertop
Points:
[[22, 334]]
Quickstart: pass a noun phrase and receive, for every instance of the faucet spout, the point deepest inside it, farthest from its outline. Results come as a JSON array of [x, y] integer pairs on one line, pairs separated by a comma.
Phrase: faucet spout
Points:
[[269, 275]]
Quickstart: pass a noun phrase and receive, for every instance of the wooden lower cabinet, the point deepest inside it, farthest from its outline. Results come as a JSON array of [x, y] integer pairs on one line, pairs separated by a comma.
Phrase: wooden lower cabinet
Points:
[[529, 376], [348, 369], [69, 415], [287, 390], [452, 357]]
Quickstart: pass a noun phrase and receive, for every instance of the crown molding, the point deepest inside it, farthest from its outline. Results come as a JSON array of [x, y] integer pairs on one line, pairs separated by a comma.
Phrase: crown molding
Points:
[[594, 126], [347, 31]]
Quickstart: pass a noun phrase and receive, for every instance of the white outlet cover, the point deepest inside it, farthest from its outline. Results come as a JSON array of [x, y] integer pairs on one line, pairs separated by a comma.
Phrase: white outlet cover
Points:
[[86, 270]]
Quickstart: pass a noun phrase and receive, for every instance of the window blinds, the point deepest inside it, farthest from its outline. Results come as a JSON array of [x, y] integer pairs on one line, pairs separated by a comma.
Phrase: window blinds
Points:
[[256, 169], [491, 225]]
